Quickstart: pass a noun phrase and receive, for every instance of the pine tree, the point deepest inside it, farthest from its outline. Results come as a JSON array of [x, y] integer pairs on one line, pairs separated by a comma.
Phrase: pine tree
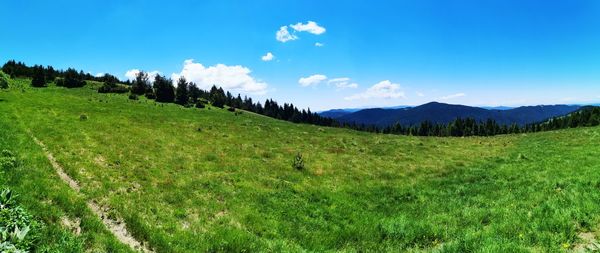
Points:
[[182, 94], [39, 77], [164, 90], [71, 79], [140, 84], [194, 93], [217, 97]]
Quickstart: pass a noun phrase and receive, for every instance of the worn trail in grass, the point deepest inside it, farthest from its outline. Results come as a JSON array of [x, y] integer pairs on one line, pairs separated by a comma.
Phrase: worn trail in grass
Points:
[[188, 180]]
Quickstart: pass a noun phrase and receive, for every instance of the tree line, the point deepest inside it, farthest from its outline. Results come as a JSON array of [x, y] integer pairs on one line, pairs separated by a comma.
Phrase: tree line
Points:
[[187, 94], [584, 117], [41, 76]]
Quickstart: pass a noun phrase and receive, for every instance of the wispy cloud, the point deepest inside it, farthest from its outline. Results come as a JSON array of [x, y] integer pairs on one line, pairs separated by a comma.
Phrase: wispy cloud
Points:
[[319, 44], [267, 57], [453, 96], [312, 80], [384, 89], [420, 94], [234, 78], [342, 83]]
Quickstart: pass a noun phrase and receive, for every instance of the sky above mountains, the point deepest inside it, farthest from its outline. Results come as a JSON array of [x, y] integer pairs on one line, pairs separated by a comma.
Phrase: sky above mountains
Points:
[[327, 54]]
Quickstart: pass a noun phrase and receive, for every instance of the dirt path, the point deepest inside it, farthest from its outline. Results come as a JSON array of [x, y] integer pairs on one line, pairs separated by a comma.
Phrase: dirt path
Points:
[[116, 227]]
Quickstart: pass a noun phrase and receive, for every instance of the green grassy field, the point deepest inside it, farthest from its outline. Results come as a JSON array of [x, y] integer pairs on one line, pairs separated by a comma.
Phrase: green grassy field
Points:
[[196, 180]]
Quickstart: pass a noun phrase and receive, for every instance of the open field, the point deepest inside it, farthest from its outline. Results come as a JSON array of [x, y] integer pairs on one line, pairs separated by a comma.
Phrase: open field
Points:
[[195, 180]]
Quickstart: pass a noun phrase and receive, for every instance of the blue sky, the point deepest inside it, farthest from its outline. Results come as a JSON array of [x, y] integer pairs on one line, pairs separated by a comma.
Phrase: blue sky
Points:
[[372, 53]]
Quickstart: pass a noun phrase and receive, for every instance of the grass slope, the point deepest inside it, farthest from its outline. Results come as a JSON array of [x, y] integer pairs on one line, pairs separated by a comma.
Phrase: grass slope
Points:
[[190, 180]]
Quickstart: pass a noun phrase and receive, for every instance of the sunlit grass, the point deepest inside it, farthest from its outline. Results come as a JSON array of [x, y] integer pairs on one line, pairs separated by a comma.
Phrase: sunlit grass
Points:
[[192, 180]]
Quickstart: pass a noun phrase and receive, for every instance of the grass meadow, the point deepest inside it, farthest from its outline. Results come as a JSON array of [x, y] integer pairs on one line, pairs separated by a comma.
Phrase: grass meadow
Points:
[[198, 180]]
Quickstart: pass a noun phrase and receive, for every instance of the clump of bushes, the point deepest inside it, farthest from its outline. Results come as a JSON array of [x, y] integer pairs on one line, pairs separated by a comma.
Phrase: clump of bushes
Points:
[[39, 77], [200, 104], [113, 89], [7, 160], [298, 162], [231, 109], [83, 117], [3, 80], [150, 95], [71, 79], [133, 97]]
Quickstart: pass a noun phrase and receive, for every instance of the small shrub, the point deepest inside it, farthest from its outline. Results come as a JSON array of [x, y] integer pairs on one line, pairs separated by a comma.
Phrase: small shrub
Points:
[[7, 160], [59, 81], [3, 80], [104, 89], [231, 109], [83, 117], [133, 97], [298, 162], [150, 95], [200, 104]]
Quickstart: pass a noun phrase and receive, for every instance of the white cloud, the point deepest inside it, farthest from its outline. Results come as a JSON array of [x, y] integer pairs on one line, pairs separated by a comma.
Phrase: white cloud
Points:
[[319, 44], [267, 57], [342, 83], [311, 27], [284, 35], [131, 74], [420, 94], [384, 89], [311, 80], [99, 74], [457, 95], [234, 78]]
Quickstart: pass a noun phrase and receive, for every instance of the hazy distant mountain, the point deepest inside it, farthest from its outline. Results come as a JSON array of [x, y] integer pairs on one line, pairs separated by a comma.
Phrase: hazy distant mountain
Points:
[[444, 113], [336, 113], [497, 107]]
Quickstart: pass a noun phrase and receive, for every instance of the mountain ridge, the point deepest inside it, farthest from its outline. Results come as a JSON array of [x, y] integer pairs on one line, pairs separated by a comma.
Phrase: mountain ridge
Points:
[[444, 113]]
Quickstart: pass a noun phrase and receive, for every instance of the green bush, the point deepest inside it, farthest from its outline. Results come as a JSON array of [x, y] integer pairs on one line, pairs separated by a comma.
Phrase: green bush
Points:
[[7, 160], [150, 95], [298, 162], [200, 104], [133, 97], [4, 80]]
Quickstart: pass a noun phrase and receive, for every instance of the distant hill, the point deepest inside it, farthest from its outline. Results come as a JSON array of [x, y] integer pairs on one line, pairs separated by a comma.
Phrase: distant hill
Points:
[[337, 113], [444, 113]]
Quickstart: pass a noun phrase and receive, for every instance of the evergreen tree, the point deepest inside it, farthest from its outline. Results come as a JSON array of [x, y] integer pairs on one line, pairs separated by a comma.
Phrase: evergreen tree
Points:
[[39, 77], [141, 83], [217, 97], [72, 79], [182, 92], [194, 93], [164, 90]]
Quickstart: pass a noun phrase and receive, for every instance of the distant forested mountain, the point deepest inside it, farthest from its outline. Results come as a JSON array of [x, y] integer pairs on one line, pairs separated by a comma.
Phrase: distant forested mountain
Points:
[[441, 113]]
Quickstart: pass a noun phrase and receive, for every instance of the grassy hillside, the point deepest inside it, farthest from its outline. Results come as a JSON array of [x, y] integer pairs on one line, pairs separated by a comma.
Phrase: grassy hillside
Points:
[[194, 180]]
